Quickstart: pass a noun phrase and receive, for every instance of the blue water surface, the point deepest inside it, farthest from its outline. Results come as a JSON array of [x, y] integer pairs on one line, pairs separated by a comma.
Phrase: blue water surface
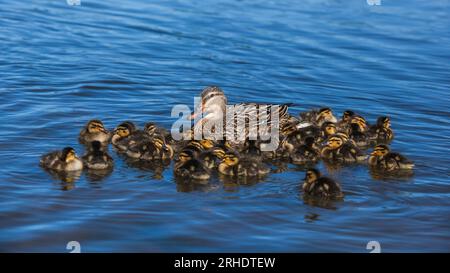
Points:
[[117, 60]]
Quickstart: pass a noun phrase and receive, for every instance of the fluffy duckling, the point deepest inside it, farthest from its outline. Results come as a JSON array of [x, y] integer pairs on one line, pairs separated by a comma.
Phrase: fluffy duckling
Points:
[[64, 160], [383, 158], [360, 121], [343, 124], [306, 153], [96, 158], [327, 129], [382, 132], [122, 135], [319, 186], [338, 151], [232, 165], [94, 131], [150, 149], [360, 138], [189, 167]]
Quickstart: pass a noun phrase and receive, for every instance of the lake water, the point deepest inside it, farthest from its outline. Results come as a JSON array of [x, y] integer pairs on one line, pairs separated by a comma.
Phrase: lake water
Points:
[[116, 60]]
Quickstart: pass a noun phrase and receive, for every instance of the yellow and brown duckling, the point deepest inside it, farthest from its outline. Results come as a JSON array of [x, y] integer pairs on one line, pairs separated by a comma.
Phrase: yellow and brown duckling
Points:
[[94, 131], [189, 167], [327, 129], [383, 158], [336, 150], [64, 160], [154, 148], [317, 185], [233, 165], [360, 121], [306, 153], [382, 132], [344, 123], [122, 135], [360, 138], [318, 117], [97, 158]]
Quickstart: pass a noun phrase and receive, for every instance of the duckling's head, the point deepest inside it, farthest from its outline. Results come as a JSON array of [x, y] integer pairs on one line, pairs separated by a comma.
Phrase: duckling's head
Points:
[[360, 121], [380, 150], [289, 129], [329, 128], [230, 159], [160, 143], [347, 115], [185, 155], [96, 126], [207, 143], [311, 175], [150, 128], [125, 129], [335, 142], [384, 122], [219, 152], [68, 154], [195, 145], [325, 114], [343, 135]]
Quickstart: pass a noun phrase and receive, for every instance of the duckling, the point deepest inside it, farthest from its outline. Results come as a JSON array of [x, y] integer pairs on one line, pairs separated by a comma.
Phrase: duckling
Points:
[[381, 132], [306, 153], [64, 160], [319, 186], [96, 158], [122, 135], [189, 167], [232, 165], [150, 149], [361, 122], [327, 129], [94, 130], [318, 117], [361, 139], [383, 158], [338, 151], [343, 124]]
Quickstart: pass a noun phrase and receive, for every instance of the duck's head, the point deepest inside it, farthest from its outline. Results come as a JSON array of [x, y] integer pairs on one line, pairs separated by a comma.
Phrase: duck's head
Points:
[[185, 155], [347, 115], [125, 129], [96, 126], [230, 159], [68, 154], [207, 143], [213, 100], [329, 128], [219, 152], [343, 135], [384, 122], [311, 175], [195, 145], [289, 130], [160, 143], [335, 142], [150, 128], [380, 150], [326, 114], [360, 121]]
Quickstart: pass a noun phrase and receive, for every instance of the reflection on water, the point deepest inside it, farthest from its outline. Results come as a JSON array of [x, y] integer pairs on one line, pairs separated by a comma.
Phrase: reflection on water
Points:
[[134, 60]]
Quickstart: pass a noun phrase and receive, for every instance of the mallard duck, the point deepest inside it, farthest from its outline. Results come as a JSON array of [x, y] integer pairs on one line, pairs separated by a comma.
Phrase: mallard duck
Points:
[[64, 160], [233, 165], [383, 158], [122, 135], [97, 158], [381, 132], [94, 131], [338, 151], [317, 185], [306, 153], [213, 109], [187, 166]]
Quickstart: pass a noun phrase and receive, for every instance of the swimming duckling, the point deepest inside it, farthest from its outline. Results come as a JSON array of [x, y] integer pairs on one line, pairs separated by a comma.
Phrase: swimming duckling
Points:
[[316, 185], [343, 124], [361, 139], [383, 158], [122, 135], [382, 132], [232, 165], [318, 117], [327, 129], [94, 131], [360, 121], [65, 160], [149, 149], [338, 151], [96, 158], [306, 153], [189, 167]]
